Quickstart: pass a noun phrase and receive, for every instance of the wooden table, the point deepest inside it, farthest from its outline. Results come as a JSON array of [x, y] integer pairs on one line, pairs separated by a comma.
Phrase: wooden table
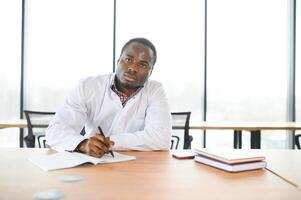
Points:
[[286, 164], [254, 127], [154, 175], [20, 123]]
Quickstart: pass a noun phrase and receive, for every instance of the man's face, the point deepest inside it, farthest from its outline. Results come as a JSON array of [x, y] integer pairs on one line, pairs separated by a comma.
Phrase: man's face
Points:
[[135, 65]]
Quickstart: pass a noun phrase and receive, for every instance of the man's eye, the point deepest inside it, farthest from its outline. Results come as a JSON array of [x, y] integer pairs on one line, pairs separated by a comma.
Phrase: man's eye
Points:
[[142, 65], [128, 60]]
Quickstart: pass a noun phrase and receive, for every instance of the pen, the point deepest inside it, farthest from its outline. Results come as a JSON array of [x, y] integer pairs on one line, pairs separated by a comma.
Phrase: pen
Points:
[[111, 152]]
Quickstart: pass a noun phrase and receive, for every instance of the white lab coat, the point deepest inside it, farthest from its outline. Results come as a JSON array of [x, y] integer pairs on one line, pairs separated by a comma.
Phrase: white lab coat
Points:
[[142, 124]]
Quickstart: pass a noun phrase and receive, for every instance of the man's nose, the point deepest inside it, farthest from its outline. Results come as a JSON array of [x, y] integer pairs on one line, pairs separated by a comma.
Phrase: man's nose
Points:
[[133, 67]]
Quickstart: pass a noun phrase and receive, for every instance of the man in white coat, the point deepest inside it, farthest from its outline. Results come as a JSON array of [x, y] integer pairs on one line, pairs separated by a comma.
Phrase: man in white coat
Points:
[[131, 110]]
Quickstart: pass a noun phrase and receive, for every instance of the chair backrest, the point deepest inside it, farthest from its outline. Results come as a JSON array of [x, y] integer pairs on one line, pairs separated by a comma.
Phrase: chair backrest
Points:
[[297, 141], [36, 120], [180, 121]]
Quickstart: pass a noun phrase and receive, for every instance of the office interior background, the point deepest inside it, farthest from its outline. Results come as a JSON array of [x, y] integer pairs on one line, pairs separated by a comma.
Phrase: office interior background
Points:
[[223, 60]]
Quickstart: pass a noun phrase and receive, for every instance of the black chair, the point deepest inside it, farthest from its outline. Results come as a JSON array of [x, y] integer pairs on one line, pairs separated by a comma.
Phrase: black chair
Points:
[[297, 141], [180, 121], [37, 122], [174, 141]]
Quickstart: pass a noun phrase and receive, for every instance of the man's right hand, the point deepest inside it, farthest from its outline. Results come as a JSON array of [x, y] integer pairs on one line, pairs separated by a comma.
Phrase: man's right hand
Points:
[[96, 146]]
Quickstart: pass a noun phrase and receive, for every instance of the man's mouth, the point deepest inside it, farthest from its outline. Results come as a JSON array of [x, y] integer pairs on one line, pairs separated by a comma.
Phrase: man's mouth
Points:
[[129, 77]]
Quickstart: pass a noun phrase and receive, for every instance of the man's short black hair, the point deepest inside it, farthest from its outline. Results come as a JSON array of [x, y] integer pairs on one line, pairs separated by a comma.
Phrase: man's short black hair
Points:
[[145, 42]]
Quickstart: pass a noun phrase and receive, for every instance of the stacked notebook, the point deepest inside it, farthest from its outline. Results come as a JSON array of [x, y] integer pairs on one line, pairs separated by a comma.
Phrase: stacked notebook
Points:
[[232, 160]]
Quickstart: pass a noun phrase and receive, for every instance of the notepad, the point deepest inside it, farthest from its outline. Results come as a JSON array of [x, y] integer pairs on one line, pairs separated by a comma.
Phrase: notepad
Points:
[[183, 154], [63, 160]]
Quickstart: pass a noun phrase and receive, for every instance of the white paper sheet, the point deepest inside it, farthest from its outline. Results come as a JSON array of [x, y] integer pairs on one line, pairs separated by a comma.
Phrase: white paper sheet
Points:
[[62, 160]]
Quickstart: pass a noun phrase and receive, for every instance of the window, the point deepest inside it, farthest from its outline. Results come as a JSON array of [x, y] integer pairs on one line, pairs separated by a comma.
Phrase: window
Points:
[[247, 66], [176, 27], [65, 41], [298, 63], [10, 51]]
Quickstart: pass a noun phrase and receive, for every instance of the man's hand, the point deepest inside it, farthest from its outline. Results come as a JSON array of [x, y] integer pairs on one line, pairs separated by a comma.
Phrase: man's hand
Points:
[[96, 146]]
